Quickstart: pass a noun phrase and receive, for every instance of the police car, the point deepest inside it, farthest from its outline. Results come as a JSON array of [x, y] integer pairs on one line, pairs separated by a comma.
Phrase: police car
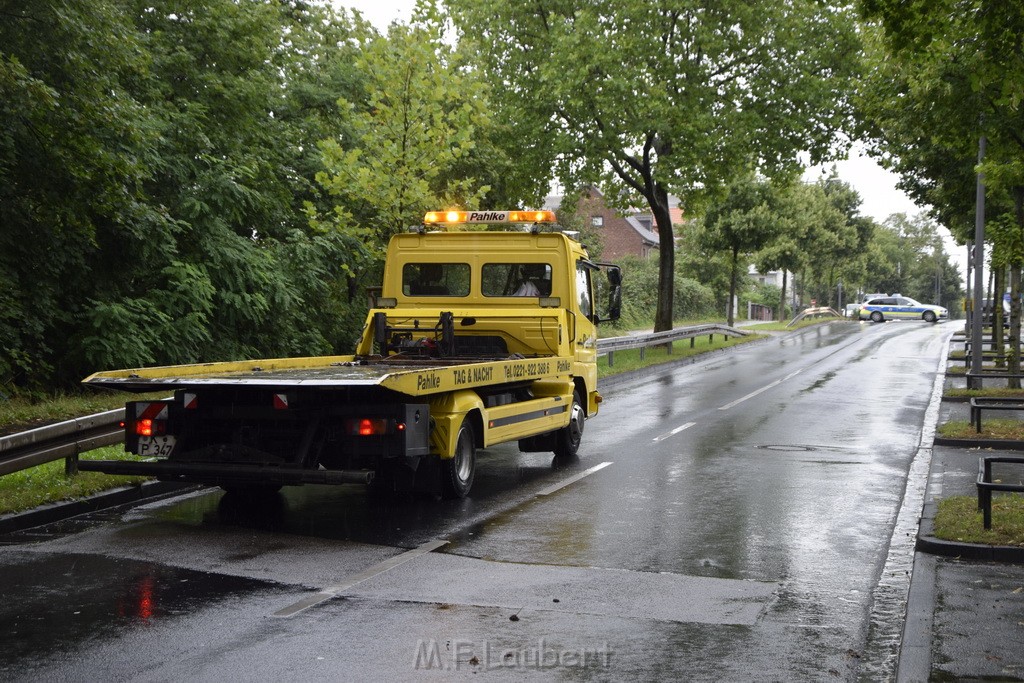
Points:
[[898, 307]]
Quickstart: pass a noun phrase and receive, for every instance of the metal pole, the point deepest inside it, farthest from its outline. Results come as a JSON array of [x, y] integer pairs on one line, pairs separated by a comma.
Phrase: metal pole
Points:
[[969, 304], [979, 266]]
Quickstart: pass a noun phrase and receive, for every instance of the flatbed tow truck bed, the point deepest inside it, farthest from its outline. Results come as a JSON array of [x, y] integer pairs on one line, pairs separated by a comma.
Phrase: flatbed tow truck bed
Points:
[[407, 376]]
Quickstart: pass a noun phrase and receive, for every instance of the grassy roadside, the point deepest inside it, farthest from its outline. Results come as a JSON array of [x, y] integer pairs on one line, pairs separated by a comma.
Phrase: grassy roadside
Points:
[[47, 483], [1008, 429], [625, 361], [18, 415], [958, 518]]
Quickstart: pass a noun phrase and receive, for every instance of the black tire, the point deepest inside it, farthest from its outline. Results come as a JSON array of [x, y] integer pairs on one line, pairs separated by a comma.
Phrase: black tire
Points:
[[929, 316], [877, 317], [568, 438], [457, 472]]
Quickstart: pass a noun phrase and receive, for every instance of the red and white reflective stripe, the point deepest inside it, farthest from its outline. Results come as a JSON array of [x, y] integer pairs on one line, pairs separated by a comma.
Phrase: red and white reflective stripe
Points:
[[151, 411], [280, 401], [190, 401]]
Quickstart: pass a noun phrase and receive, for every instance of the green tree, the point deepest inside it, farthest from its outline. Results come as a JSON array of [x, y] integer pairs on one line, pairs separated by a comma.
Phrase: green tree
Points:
[[650, 99], [960, 64], [801, 213], [741, 224], [422, 116], [907, 255], [835, 241]]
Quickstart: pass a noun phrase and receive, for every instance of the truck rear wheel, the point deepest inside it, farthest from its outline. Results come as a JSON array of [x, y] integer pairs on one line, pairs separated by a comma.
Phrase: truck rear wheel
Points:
[[457, 472], [568, 438]]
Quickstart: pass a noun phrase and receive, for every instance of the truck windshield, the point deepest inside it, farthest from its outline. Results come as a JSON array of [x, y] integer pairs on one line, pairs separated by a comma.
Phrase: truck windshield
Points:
[[435, 279]]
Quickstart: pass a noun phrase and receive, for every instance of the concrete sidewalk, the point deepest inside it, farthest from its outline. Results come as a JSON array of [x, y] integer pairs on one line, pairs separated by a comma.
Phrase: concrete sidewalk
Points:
[[965, 610]]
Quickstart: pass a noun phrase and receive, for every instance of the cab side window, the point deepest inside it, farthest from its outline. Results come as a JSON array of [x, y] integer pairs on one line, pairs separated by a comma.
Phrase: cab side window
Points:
[[583, 290]]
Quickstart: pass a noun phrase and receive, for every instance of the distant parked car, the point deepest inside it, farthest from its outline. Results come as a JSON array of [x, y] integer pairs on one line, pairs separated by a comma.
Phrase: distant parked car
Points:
[[898, 307], [851, 310]]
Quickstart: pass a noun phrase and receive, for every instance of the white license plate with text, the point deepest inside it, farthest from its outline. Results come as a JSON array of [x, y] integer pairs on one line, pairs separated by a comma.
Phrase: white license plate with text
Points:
[[156, 446]]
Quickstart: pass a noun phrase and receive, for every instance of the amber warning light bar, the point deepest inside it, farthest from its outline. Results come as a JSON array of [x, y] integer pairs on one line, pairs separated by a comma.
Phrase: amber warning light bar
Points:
[[451, 217]]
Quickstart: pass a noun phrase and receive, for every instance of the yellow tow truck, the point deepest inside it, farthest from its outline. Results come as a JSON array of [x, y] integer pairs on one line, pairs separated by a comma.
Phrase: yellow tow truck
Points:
[[476, 338]]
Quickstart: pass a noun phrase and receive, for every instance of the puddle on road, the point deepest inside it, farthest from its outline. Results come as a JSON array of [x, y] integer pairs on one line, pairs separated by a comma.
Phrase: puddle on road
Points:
[[65, 602]]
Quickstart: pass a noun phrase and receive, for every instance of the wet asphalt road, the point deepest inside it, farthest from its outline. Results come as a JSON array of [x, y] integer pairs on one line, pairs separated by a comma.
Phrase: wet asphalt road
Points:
[[736, 522]]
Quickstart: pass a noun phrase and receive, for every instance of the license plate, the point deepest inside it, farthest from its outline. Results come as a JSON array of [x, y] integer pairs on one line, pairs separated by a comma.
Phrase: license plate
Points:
[[156, 446]]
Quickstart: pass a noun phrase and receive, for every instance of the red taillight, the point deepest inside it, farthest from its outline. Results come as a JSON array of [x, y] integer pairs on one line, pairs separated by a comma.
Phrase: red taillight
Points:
[[147, 427], [366, 426]]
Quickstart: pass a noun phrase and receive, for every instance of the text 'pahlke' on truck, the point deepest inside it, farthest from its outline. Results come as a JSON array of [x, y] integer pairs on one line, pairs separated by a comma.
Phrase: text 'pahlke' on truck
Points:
[[476, 338]]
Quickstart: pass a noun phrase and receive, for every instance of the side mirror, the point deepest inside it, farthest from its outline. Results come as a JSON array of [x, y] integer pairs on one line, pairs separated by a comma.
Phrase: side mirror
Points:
[[613, 273], [614, 294]]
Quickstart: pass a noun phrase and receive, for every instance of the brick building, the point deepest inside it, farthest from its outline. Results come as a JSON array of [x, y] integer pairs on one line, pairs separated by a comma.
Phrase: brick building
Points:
[[634, 233]]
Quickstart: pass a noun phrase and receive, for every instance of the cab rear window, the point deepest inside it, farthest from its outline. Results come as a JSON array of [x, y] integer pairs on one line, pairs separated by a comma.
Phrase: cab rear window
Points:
[[515, 279], [435, 279]]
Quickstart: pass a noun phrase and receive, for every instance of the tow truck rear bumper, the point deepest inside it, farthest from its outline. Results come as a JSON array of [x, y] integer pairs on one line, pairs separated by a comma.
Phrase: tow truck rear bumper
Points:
[[217, 473]]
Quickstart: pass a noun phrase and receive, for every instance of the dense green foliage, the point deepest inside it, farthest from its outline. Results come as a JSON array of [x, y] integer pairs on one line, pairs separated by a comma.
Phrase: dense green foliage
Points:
[[394, 170], [692, 299], [214, 179], [907, 256], [153, 168], [196, 180]]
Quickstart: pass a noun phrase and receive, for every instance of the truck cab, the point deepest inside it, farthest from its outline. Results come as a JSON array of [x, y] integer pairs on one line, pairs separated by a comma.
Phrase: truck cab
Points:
[[529, 294]]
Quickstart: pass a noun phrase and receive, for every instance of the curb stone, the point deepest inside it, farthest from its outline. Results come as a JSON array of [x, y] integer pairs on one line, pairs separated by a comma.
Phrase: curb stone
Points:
[[57, 511]]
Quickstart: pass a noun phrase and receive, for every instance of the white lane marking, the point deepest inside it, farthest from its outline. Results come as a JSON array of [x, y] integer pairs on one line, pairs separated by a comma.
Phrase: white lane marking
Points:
[[325, 594], [573, 479], [759, 391], [674, 431]]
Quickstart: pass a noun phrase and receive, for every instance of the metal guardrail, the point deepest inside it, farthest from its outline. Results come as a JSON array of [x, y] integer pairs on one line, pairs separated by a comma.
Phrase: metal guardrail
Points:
[[62, 440], [812, 312], [645, 341], [67, 439]]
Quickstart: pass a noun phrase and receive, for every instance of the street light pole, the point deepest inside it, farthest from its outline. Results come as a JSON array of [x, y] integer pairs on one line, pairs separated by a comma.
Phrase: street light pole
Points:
[[979, 266]]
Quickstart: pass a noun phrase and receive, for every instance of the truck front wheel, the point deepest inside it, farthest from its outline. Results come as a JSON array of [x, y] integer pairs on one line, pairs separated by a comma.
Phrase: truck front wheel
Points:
[[568, 438], [457, 472]]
